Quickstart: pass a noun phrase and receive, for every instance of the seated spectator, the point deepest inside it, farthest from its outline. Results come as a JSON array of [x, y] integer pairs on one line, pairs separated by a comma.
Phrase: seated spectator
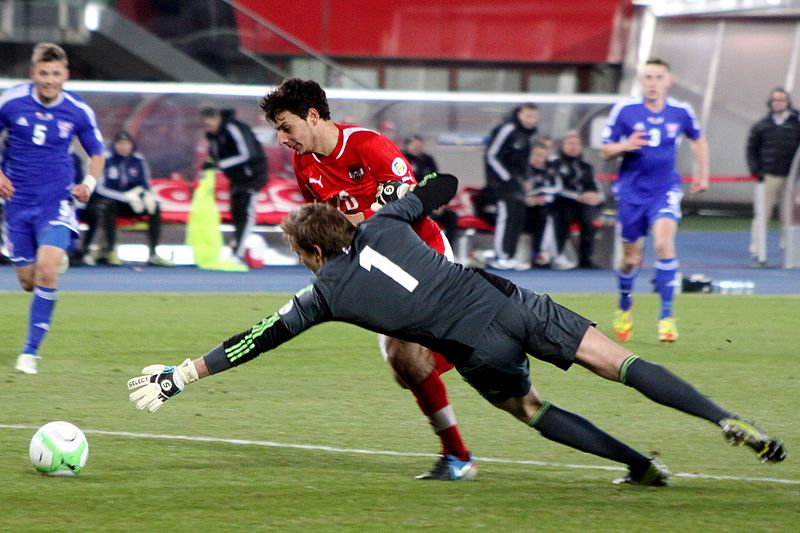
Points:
[[123, 191], [423, 164], [577, 201], [540, 185]]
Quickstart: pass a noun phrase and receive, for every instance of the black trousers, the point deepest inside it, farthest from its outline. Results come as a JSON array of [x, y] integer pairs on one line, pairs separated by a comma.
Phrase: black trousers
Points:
[[104, 211], [509, 224], [535, 224], [243, 216], [567, 212]]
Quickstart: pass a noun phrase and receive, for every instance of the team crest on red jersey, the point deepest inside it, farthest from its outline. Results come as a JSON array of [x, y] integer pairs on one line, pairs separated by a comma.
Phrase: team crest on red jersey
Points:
[[356, 173]]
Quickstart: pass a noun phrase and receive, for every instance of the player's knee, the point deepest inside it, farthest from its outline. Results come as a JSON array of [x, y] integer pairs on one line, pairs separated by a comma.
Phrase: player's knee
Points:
[[46, 276], [411, 363], [664, 249], [27, 285]]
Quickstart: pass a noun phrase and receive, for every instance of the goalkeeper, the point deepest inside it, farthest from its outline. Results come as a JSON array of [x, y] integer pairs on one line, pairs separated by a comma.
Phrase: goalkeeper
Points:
[[124, 191], [382, 277]]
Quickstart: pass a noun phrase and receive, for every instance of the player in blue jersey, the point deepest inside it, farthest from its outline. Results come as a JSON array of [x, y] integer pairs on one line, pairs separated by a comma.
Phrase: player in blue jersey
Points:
[[38, 184], [645, 132]]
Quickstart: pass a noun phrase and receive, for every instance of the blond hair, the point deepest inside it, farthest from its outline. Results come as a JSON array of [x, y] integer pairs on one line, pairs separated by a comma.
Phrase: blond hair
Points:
[[46, 52]]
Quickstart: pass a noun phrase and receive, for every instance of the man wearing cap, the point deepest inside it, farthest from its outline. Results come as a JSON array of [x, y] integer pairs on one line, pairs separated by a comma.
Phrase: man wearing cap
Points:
[[124, 191]]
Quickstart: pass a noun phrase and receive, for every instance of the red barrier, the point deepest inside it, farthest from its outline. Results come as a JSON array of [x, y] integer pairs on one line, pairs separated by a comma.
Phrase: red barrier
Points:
[[274, 201]]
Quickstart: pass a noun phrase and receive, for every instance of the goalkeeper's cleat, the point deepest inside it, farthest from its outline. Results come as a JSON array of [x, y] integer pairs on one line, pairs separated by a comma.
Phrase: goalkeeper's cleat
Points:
[[667, 330], [623, 325], [451, 468], [741, 433], [26, 363], [655, 475]]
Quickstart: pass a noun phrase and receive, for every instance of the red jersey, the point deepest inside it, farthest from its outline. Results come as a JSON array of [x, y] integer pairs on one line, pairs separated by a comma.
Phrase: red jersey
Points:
[[348, 177]]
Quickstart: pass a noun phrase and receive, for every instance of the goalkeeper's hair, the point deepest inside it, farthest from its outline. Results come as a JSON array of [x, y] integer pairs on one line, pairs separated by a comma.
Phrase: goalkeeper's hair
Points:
[[296, 96], [321, 225], [46, 52]]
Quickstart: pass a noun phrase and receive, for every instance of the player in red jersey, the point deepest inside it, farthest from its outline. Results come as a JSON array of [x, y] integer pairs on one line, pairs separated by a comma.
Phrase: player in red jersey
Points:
[[343, 165]]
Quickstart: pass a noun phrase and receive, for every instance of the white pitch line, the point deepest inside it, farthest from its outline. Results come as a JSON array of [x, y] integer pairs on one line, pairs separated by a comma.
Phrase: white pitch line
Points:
[[333, 449]]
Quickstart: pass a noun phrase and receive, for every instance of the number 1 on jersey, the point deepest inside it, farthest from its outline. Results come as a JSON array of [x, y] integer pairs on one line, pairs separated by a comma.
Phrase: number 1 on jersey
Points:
[[369, 258]]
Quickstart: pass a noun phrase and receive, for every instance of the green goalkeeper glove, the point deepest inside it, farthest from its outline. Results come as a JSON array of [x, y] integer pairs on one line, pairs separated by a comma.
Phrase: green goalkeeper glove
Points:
[[159, 383]]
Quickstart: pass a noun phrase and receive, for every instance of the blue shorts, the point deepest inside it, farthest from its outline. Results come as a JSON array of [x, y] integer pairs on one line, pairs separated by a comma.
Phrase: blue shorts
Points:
[[28, 227], [636, 220]]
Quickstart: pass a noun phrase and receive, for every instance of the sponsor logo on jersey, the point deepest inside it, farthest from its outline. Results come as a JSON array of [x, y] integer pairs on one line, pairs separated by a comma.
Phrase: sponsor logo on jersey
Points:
[[638, 126], [672, 129], [356, 174], [22, 121], [318, 182], [399, 167], [133, 171], [112, 173], [655, 120], [64, 128], [44, 116]]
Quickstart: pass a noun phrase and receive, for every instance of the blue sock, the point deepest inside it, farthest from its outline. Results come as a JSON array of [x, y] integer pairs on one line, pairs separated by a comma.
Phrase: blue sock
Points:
[[44, 300], [625, 284], [666, 271]]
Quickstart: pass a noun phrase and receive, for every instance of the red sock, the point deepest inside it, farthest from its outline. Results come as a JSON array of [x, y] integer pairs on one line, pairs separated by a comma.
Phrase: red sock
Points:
[[432, 400]]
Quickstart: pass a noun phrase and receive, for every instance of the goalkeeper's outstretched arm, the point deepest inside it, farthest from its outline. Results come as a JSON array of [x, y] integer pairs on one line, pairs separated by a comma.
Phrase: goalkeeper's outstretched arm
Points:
[[159, 383]]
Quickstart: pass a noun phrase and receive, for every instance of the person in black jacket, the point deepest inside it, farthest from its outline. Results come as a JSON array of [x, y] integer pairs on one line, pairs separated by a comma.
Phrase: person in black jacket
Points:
[[576, 201], [234, 149], [506, 162], [540, 185], [771, 146]]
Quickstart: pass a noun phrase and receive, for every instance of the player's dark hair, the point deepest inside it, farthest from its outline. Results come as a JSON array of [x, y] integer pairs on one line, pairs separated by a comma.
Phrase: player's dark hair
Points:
[[657, 61], [526, 105], [208, 110], [296, 96], [783, 92], [321, 225], [46, 52]]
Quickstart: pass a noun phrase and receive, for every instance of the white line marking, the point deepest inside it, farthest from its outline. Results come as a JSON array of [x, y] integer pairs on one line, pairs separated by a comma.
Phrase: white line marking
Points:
[[333, 449]]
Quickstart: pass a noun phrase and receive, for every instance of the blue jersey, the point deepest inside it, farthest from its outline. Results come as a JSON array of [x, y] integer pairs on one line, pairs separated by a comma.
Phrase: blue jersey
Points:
[[122, 174], [37, 156], [649, 172]]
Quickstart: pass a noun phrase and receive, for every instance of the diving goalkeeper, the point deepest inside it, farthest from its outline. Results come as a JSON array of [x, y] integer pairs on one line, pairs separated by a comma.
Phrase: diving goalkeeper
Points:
[[382, 277]]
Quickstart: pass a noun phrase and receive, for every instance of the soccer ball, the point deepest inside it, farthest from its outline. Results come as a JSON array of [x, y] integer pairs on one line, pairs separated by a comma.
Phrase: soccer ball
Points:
[[59, 449]]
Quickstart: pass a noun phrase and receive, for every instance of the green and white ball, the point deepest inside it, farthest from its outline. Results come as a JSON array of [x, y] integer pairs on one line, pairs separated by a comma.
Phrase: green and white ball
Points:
[[59, 449]]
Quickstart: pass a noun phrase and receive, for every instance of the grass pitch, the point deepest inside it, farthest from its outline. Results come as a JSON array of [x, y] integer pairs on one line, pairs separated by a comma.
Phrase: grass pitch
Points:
[[300, 438]]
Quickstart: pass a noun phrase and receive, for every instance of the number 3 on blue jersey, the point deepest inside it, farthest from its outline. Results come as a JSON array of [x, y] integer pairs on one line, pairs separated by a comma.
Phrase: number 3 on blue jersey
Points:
[[369, 258]]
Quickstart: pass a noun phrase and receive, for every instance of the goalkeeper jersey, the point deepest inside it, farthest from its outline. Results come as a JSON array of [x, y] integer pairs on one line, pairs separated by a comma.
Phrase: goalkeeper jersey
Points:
[[386, 281]]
